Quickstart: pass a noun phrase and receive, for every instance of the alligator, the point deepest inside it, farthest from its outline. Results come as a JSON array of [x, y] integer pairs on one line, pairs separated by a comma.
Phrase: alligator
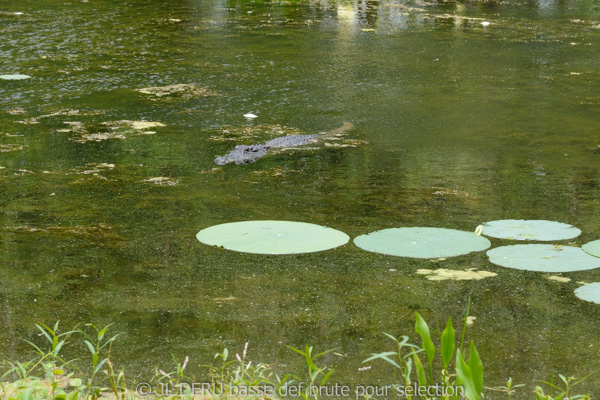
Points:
[[246, 154]]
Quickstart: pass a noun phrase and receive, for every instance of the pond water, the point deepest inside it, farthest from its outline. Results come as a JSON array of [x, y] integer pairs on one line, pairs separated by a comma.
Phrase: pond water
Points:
[[456, 124]]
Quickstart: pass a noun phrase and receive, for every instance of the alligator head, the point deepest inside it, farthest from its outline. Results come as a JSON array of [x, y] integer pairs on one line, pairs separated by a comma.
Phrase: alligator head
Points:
[[243, 154]]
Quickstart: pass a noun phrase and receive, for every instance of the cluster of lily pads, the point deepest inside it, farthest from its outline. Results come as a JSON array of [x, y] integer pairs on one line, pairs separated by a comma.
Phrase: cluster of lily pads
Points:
[[289, 237]]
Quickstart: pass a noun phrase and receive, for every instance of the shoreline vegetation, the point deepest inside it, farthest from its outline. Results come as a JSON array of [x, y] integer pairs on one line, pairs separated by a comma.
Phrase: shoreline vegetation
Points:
[[444, 367]]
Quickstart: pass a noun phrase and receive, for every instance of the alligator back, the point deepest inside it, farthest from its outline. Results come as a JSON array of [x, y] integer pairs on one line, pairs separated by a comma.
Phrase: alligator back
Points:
[[244, 154], [291, 141]]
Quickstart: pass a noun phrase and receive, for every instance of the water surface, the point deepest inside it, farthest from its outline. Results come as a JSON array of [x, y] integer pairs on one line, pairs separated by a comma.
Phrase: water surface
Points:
[[461, 124]]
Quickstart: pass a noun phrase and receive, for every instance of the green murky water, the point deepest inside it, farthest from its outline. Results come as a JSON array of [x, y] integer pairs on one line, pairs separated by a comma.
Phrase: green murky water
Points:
[[461, 124]]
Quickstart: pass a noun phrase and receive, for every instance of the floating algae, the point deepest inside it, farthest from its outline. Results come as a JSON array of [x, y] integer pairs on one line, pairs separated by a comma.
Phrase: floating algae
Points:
[[5, 148], [15, 77], [441, 274], [117, 130], [182, 90], [70, 113], [561, 279], [162, 181]]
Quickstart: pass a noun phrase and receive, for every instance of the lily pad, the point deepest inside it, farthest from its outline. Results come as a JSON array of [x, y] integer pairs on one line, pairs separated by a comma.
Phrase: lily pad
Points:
[[543, 258], [272, 237], [520, 229], [592, 248], [14, 77], [422, 242], [589, 292]]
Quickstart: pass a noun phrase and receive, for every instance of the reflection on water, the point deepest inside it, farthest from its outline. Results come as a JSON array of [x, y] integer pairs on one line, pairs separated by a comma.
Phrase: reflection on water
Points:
[[458, 123]]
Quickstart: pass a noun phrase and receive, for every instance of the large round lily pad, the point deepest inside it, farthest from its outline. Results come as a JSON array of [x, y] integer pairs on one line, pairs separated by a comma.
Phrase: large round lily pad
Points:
[[543, 258], [14, 77], [421, 242], [592, 248], [533, 229], [272, 237], [589, 292]]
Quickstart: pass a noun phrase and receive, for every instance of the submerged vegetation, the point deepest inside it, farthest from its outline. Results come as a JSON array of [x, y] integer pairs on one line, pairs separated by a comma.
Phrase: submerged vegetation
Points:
[[446, 367]]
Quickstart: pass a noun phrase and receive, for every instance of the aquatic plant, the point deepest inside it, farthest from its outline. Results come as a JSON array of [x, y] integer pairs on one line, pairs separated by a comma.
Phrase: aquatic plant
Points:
[[589, 292], [468, 370], [564, 389], [450, 363], [272, 237], [592, 248], [520, 229], [543, 258], [422, 242], [316, 376]]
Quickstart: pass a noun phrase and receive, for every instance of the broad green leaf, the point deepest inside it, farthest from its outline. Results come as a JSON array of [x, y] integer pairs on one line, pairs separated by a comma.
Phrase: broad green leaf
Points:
[[543, 258], [476, 368], [422, 242], [421, 375], [448, 345], [464, 377], [74, 395], [75, 382], [272, 237], [519, 229], [423, 330]]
